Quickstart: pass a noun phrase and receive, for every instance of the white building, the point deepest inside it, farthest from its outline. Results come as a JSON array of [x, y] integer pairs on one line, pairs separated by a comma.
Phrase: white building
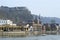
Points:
[[31, 28], [3, 22]]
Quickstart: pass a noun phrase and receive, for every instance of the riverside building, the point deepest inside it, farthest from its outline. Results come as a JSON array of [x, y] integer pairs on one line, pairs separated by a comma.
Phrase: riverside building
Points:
[[4, 22]]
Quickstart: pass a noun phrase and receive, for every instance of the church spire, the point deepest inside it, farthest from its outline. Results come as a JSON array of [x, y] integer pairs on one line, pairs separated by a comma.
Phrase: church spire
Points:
[[39, 19]]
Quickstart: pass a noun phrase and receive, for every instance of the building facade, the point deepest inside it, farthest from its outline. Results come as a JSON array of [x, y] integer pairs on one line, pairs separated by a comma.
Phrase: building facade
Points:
[[3, 22]]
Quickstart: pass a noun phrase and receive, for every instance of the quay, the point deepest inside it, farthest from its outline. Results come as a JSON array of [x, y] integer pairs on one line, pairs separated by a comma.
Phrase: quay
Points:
[[25, 33], [18, 34], [13, 34]]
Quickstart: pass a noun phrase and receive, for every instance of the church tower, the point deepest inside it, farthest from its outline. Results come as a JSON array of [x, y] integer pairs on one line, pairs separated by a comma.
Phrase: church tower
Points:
[[36, 23], [37, 19]]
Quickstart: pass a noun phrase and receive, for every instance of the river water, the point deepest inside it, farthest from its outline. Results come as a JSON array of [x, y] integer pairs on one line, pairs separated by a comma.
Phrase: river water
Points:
[[47, 37]]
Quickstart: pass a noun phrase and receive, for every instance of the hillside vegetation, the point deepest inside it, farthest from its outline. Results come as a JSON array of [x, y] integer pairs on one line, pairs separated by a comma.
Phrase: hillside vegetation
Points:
[[16, 14], [22, 14]]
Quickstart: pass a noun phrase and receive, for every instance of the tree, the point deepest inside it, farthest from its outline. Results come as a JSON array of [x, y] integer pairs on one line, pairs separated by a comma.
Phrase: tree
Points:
[[53, 21], [53, 25]]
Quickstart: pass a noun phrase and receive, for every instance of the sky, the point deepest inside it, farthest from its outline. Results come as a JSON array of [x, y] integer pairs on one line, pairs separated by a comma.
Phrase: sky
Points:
[[46, 8]]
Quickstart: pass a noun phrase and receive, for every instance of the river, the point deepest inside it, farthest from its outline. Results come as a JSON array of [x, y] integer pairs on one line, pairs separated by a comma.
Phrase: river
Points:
[[47, 37]]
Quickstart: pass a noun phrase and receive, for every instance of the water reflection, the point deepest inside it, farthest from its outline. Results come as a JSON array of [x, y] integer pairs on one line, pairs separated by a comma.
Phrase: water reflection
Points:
[[47, 37]]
